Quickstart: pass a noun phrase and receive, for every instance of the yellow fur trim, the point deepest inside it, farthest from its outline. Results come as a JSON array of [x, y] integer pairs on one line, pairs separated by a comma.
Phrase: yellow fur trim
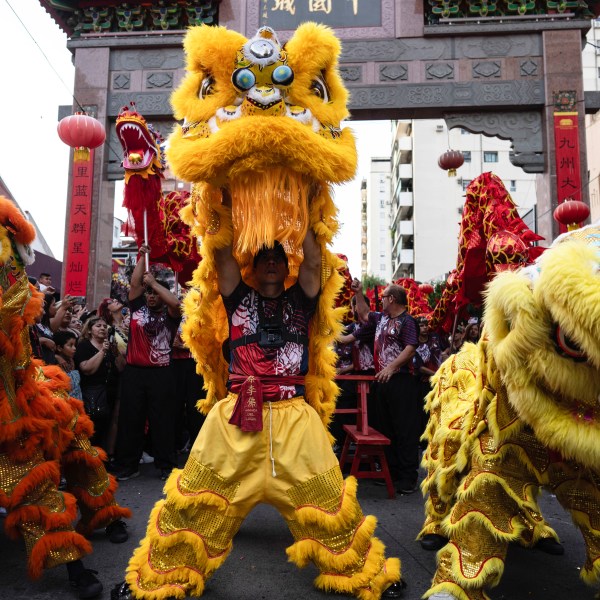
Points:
[[369, 583], [306, 550], [183, 501], [490, 572], [146, 579], [556, 396], [346, 514]]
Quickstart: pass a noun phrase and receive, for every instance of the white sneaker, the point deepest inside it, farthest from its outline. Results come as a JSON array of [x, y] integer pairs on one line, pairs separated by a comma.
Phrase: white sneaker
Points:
[[146, 459], [442, 596]]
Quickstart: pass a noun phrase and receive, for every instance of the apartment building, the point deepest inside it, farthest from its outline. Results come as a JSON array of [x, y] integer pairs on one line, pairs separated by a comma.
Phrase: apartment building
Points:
[[426, 204]]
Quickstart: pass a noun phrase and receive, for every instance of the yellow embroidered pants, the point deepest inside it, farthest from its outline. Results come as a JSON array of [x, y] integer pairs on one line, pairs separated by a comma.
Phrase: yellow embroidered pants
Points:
[[289, 465]]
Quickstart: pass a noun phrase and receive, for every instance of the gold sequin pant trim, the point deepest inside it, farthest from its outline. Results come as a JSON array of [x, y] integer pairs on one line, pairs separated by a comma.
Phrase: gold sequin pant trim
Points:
[[229, 472], [88, 480], [40, 513]]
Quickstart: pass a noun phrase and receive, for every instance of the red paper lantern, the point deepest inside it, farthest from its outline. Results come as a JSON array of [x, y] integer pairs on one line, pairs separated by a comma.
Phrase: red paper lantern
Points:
[[571, 213], [81, 132], [450, 161], [426, 288]]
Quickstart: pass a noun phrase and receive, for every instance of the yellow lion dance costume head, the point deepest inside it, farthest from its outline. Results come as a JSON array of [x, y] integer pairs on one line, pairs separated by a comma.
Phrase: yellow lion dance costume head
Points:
[[519, 411], [262, 120]]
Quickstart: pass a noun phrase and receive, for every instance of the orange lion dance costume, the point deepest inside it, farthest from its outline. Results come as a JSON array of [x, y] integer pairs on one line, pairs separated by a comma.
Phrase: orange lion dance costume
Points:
[[43, 431]]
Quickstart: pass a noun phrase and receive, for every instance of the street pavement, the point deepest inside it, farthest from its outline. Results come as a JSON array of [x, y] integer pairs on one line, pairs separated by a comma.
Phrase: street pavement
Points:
[[257, 568]]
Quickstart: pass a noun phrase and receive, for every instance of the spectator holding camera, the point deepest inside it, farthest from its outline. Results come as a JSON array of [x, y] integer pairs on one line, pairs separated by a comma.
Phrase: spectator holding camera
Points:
[[147, 381], [98, 362]]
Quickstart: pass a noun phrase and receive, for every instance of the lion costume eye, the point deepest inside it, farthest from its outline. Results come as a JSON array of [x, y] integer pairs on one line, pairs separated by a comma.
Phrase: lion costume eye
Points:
[[567, 347], [243, 79], [26, 253], [319, 89], [282, 75], [207, 88]]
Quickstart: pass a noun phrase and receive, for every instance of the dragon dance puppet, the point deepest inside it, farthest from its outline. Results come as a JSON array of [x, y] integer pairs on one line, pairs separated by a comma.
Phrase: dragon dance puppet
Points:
[[43, 431], [151, 211], [518, 411], [261, 141]]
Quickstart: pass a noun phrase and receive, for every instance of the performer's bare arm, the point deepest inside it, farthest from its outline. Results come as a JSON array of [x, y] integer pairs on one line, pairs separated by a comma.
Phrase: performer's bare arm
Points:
[[228, 271], [362, 307], [170, 300], [309, 273], [136, 286]]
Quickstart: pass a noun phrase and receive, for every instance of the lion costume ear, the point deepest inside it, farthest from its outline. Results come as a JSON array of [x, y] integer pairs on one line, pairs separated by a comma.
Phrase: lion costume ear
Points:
[[313, 53], [210, 55], [510, 310]]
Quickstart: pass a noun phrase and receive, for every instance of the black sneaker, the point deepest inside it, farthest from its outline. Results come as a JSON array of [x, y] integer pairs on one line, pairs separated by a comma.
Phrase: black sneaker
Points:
[[396, 590], [164, 474], [433, 541], [407, 487], [127, 474], [117, 532], [87, 584], [121, 591]]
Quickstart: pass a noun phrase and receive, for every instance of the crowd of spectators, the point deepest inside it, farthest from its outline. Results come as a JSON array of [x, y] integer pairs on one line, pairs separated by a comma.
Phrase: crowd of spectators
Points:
[[139, 385], [129, 366], [402, 354]]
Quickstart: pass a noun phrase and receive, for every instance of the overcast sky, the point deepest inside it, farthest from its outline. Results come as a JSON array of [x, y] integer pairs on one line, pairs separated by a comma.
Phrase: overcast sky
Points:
[[34, 162]]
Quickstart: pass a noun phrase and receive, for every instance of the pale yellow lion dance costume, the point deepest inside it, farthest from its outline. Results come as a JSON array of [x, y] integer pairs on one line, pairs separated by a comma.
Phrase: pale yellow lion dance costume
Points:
[[519, 410], [264, 121]]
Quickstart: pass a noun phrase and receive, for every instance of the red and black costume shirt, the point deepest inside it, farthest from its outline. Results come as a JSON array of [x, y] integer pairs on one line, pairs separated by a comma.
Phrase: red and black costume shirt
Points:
[[247, 359]]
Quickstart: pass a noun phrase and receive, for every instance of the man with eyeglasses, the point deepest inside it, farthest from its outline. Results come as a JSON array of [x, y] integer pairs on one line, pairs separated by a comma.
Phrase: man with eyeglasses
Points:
[[397, 407]]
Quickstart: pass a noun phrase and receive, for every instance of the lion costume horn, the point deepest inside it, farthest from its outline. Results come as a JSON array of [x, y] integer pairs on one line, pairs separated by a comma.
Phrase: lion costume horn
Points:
[[262, 120]]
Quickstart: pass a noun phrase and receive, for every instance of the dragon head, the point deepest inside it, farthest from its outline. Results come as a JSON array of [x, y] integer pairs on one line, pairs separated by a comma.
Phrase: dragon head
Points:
[[544, 331], [141, 143]]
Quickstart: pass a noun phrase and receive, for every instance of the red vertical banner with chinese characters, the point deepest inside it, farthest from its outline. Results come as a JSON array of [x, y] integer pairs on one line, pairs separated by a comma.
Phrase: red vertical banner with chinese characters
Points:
[[566, 142], [78, 234]]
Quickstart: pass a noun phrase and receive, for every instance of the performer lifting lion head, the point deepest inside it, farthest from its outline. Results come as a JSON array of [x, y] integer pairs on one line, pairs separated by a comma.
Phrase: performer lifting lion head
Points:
[[261, 142]]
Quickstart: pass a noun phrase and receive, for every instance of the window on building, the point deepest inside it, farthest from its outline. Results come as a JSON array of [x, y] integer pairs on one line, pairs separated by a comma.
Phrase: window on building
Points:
[[382, 267], [513, 185], [463, 131], [382, 203], [490, 157], [465, 184], [467, 156]]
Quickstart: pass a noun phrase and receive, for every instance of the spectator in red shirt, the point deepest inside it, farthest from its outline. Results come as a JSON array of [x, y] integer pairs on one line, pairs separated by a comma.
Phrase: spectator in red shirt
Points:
[[147, 381]]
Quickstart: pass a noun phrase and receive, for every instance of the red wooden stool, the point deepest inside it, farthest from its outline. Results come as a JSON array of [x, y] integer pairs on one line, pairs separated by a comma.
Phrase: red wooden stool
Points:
[[369, 448], [369, 442]]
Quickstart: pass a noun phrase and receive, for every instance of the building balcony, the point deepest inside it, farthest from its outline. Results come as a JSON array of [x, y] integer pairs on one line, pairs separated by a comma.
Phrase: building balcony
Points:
[[406, 228], [405, 171], [405, 205], [407, 258], [405, 143]]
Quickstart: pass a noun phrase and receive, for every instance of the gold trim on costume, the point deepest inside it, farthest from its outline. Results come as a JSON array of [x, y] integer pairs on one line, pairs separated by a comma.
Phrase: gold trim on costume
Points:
[[197, 478]]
